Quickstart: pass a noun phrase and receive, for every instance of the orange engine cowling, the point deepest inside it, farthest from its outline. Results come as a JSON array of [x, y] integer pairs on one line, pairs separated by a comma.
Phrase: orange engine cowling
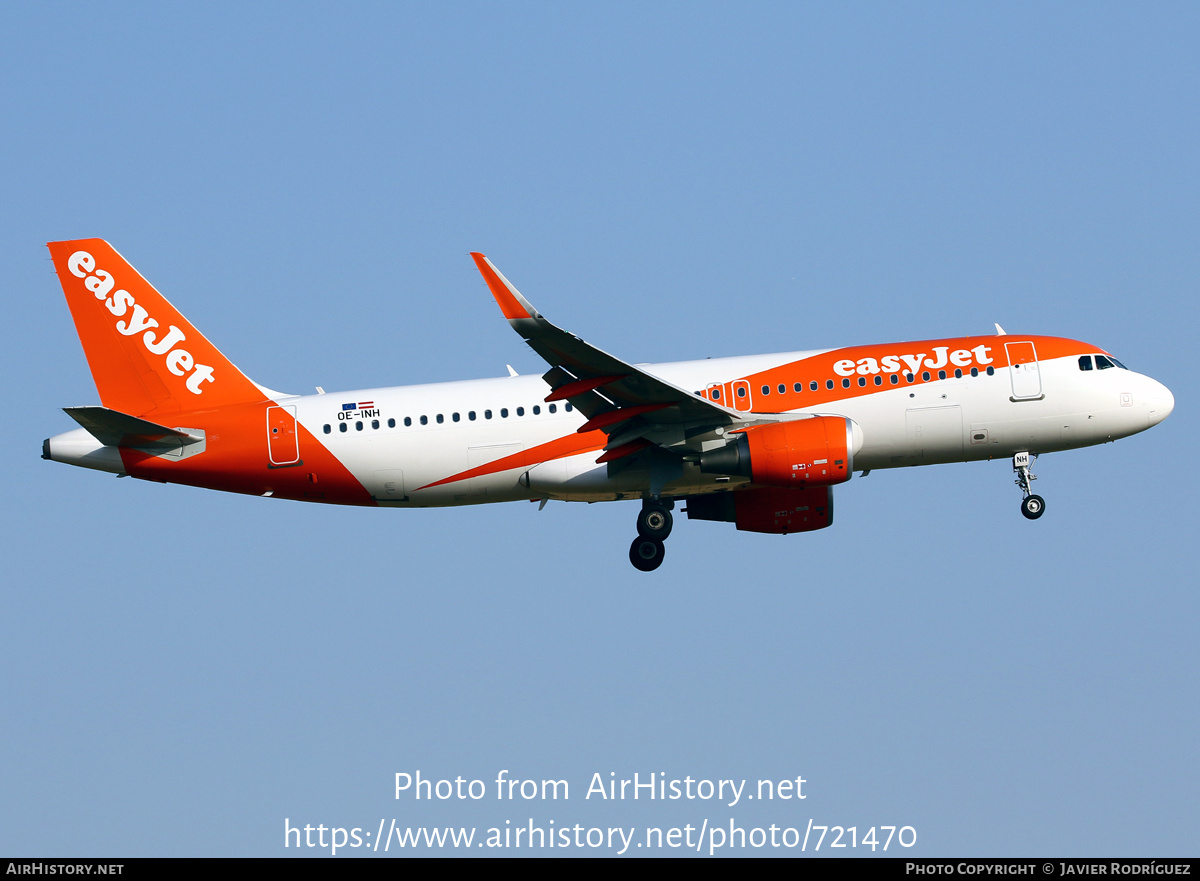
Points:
[[801, 453], [767, 509]]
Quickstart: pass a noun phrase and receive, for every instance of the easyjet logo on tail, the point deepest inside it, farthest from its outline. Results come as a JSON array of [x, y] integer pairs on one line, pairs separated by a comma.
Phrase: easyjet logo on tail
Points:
[[166, 345]]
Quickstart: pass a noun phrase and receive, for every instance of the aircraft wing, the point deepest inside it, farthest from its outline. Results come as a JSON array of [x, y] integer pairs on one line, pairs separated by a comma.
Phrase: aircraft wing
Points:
[[626, 402]]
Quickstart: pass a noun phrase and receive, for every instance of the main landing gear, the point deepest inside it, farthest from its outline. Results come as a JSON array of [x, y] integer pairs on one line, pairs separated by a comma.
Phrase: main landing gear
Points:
[[1032, 506], [653, 525]]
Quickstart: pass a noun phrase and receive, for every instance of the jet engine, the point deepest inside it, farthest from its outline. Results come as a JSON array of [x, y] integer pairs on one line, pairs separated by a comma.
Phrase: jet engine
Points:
[[817, 451]]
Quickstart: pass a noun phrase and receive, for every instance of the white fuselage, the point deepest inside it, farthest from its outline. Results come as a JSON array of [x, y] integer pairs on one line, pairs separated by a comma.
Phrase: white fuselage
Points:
[[445, 429]]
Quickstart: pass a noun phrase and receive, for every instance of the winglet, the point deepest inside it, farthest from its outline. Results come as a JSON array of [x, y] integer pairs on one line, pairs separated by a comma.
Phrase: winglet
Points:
[[511, 303]]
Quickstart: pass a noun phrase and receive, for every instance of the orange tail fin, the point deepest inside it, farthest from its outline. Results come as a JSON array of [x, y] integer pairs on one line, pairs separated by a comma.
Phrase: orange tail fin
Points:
[[145, 357]]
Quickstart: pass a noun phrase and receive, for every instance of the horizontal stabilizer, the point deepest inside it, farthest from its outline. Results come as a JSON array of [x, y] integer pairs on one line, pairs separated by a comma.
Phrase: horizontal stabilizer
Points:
[[116, 429]]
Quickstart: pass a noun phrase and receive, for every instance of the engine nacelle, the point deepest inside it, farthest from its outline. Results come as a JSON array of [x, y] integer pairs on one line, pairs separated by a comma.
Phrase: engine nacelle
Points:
[[767, 509], [818, 451]]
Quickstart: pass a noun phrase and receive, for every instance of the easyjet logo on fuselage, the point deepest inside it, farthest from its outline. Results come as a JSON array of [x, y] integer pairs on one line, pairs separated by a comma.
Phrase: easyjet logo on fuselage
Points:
[[101, 283], [942, 356]]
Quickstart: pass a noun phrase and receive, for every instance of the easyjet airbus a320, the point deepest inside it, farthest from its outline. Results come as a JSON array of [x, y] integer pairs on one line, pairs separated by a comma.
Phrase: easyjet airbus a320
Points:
[[758, 441]]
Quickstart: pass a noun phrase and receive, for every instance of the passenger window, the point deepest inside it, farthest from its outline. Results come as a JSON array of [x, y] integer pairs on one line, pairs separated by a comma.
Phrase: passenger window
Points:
[[407, 421], [941, 374], [342, 426], [783, 388], [829, 384], [487, 414], [374, 423], [391, 423], [812, 386], [957, 373], [991, 370], [909, 377], [766, 390], [536, 410], [554, 408], [741, 392], [471, 415], [568, 407], [845, 383], [440, 418], [974, 371], [503, 412], [862, 380], [798, 387], [925, 376], [716, 394], [878, 380], [520, 411], [895, 378], [424, 420], [1085, 363], [327, 428], [454, 416], [358, 425]]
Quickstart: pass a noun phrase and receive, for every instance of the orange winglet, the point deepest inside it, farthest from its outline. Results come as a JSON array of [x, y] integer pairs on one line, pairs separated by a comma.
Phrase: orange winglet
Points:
[[580, 386], [620, 415], [624, 450], [509, 305]]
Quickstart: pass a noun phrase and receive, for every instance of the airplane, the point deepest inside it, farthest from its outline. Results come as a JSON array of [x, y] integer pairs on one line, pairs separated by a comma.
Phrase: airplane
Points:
[[759, 441]]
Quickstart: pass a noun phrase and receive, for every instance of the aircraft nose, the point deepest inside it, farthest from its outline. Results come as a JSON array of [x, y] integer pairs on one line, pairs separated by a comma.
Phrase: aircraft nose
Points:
[[1160, 402]]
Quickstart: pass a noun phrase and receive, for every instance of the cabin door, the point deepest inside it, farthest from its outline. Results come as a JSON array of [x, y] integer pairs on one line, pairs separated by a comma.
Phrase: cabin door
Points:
[[1023, 370], [283, 442]]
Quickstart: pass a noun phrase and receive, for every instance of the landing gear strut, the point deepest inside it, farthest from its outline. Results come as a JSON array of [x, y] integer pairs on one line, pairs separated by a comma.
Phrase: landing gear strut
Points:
[[653, 525], [1032, 506]]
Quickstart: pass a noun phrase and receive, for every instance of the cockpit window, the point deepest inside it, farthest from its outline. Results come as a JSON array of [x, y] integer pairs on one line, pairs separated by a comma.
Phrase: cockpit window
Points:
[[1103, 362]]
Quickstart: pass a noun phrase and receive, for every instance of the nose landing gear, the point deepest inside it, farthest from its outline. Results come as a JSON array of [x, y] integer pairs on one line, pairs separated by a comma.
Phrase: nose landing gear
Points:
[[653, 525], [1032, 506]]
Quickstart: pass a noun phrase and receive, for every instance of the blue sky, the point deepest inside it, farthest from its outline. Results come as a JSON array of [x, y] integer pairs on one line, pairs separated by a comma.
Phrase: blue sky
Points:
[[183, 670]]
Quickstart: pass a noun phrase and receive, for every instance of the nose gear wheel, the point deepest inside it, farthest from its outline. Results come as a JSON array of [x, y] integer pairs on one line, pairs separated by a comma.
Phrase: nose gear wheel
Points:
[[1032, 506]]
